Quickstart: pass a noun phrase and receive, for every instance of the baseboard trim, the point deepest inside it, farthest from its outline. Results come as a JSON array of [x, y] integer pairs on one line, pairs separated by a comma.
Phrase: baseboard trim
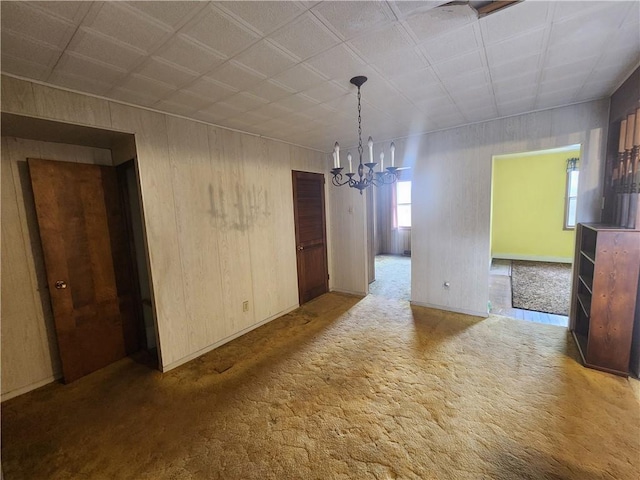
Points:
[[532, 258], [349, 292], [219, 343], [465, 311], [32, 386]]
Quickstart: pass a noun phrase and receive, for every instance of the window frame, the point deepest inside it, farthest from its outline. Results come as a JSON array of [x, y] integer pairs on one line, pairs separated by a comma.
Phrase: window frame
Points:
[[567, 200], [397, 204]]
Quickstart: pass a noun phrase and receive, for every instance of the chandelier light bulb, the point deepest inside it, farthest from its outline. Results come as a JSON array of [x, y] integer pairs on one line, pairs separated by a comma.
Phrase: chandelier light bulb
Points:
[[370, 143], [382, 161], [349, 159], [393, 153]]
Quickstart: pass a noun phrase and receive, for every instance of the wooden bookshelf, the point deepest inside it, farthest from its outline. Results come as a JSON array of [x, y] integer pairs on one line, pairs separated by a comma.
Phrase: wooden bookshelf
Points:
[[605, 286]]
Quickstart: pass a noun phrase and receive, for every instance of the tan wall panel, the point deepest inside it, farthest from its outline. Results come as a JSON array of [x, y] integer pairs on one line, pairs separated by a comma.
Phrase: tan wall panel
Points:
[[71, 107]]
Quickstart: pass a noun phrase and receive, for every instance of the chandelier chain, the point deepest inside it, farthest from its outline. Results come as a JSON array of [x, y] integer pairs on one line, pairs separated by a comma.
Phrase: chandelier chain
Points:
[[360, 149]]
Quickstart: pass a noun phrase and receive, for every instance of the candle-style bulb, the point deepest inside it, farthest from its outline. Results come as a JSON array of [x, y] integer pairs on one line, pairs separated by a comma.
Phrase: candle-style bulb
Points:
[[382, 161], [349, 159], [336, 149], [370, 143], [393, 153], [335, 162]]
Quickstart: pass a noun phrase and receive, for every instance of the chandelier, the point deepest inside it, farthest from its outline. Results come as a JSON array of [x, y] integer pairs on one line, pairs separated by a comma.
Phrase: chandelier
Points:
[[361, 179]]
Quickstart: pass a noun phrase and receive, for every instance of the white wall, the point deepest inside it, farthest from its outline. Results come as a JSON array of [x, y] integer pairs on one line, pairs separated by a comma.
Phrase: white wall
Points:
[[452, 195], [218, 213]]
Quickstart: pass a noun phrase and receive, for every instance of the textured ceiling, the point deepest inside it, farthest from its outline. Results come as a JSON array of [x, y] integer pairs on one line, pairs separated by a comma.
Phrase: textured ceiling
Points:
[[282, 69]]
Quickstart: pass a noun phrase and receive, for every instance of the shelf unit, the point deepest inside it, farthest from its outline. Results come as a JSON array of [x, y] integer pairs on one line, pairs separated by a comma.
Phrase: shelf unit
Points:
[[605, 291]]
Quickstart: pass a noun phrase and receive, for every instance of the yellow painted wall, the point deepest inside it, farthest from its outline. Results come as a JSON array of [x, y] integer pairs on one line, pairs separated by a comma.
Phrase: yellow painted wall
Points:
[[528, 207]]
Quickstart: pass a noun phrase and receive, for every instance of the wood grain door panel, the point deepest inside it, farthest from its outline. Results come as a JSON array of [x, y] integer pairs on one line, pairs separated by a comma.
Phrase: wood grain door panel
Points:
[[84, 244], [311, 238]]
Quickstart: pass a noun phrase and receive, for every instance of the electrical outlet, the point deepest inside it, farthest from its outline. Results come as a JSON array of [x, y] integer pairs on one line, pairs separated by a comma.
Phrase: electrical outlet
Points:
[[245, 306]]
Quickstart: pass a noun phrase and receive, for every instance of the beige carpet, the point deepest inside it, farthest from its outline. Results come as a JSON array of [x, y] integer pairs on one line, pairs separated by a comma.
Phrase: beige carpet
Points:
[[541, 286], [393, 277], [341, 389]]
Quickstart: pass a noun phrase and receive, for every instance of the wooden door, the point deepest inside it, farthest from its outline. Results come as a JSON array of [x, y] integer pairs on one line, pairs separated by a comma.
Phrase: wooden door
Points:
[[311, 237], [87, 262]]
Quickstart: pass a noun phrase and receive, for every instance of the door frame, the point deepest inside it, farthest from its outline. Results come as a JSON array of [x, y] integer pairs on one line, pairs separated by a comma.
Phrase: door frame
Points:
[[294, 173]]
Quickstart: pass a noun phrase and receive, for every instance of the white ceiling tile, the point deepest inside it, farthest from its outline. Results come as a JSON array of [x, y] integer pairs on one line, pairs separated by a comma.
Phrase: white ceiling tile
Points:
[[270, 91], [514, 21], [405, 8], [480, 114], [172, 14], [431, 23], [189, 100], [235, 76], [80, 83], [521, 105], [222, 110], [349, 19], [253, 118], [304, 37], [180, 50], [77, 65], [452, 44], [400, 62], [555, 98], [296, 102], [526, 45], [463, 63], [146, 86], [169, 73], [564, 10], [272, 110], [298, 78], [581, 67], [72, 11], [515, 67], [219, 31], [244, 101], [265, 59], [515, 93], [467, 80], [382, 43], [208, 88], [527, 80], [23, 68], [117, 20], [262, 17], [91, 43], [415, 80], [326, 91], [24, 47], [594, 23], [338, 63], [29, 22]]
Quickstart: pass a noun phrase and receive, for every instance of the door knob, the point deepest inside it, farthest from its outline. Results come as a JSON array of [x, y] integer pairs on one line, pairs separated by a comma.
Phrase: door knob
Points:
[[300, 247], [60, 284]]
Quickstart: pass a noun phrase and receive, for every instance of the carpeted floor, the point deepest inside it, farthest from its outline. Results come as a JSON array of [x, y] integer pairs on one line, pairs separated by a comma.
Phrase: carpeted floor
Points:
[[393, 277], [342, 388], [541, 286]]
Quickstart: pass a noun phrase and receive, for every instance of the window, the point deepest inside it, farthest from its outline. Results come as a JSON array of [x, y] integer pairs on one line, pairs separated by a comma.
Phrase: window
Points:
[[571, 200], [403, 204]]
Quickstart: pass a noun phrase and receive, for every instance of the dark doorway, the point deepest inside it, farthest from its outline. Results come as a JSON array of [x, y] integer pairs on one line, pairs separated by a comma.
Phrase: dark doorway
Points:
[[311, 236]]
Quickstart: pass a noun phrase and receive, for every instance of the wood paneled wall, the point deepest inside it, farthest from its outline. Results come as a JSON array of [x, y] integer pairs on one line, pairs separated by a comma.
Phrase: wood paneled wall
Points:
[[452, 195], [29, 349], [218, 214]]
